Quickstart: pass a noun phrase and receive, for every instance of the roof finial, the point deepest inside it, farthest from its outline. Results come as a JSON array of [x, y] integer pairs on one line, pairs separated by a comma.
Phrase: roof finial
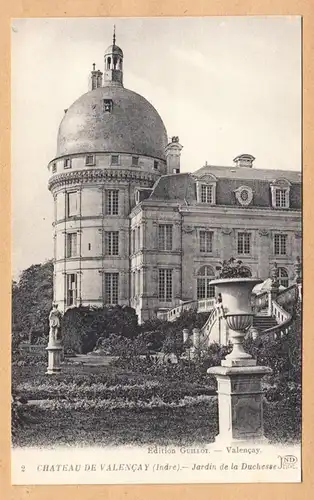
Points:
[[94, 66], [114, 34]]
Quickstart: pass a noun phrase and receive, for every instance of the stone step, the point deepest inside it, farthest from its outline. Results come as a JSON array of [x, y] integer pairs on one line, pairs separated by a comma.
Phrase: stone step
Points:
[[263, 313], [262, 323]]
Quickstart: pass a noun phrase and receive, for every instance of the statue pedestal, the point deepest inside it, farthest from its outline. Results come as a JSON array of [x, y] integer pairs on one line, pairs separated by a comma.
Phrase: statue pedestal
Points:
[[240, 402], [54, 358]]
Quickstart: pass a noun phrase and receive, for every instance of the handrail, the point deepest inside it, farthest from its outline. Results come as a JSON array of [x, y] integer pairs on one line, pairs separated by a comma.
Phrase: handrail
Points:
[[176, 312], [217, 312], [284, 319], [288, 298], [204, 304], [287, 290], [279, 313], [280, 328]]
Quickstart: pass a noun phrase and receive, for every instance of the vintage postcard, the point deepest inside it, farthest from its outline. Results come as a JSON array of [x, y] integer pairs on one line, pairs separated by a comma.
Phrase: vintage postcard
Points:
[[157, 250]]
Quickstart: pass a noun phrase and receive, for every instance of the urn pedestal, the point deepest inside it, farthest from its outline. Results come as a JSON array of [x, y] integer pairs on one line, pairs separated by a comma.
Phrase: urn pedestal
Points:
[[54, 358], [240, 403], [240, 394]]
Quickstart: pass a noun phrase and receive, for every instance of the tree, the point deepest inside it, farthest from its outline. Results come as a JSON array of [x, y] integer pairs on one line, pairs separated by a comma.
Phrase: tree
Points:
[[232, 268], [31, 302]]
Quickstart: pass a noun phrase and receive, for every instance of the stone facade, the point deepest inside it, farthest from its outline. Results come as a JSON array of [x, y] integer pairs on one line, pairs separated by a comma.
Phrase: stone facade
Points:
[[129, 228], [187, 257]]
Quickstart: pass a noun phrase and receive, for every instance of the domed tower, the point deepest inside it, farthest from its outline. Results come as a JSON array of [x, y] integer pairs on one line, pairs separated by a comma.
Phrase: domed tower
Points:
[[111, 142]]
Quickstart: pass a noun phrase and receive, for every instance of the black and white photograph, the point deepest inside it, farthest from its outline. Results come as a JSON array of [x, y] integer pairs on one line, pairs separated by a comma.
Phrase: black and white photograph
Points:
[[156, 250]]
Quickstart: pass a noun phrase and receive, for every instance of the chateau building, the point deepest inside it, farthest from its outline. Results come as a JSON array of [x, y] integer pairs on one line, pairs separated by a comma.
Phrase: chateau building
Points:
[[129, 228]]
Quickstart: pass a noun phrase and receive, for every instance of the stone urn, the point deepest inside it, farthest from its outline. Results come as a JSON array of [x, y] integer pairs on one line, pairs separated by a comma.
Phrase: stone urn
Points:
[[240, 393], [236, 301]]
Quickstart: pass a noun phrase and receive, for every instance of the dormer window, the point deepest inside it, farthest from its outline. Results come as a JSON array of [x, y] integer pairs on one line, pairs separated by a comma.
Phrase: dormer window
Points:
[[67, 163], [206, 189], [108, 105], [135, 160], [206, 194], [90, 160], [280, 193], [281, 198], [115, 160]]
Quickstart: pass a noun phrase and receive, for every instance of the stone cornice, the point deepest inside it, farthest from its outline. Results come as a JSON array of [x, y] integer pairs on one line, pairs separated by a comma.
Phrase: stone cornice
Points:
[[100, 176], [235, 210]]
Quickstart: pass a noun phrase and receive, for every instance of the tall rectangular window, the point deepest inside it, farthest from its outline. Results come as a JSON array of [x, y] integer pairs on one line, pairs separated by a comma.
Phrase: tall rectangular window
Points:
[[165, 285], [206, 194], [112, 202], [71, 289], [138, 284], [133, 241], [206, 241], [90, 160], [280, 244], [115, 160], [139, 238], [281, 198], [244, 243], [67, 163], [111, 288], [165, 237], [71, 244], [133, 284], [71, 204], [112, 242], [135, 160]]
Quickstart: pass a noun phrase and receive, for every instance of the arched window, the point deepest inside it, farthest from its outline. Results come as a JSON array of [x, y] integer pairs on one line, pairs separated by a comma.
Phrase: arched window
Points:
[[108, 62], [283, 277], [114, 62], [204, 289]]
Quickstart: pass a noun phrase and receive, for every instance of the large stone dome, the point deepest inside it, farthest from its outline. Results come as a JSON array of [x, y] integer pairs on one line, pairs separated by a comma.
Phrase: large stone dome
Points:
[[132, 126]]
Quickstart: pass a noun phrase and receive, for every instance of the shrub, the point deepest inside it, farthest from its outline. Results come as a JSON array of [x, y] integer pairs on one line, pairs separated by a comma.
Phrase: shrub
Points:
[[283, 394], [83, 328], [18, 412], [232, 268]]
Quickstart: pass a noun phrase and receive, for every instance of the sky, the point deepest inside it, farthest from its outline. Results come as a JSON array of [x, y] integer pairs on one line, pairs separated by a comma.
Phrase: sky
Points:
[[224, 85]]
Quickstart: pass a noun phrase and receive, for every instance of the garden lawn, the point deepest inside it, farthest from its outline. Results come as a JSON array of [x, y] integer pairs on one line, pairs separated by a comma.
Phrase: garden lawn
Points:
[[107, 405]]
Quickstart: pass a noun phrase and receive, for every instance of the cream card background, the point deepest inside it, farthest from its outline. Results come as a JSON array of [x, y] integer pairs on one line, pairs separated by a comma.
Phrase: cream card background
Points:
[[90, 8]]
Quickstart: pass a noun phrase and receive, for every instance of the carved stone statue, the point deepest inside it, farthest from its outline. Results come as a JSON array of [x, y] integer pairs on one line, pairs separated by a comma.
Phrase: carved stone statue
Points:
[[54, 324], [298, 270], [274, 277]]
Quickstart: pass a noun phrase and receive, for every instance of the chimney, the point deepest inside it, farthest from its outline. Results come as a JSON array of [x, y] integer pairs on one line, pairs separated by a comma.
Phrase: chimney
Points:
[[173, 153], [95, 79], [244, 160]]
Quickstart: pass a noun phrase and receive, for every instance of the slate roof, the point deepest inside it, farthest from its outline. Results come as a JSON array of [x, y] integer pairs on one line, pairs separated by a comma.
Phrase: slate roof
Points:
[[249, 173], [182, 187], [175, 187]]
